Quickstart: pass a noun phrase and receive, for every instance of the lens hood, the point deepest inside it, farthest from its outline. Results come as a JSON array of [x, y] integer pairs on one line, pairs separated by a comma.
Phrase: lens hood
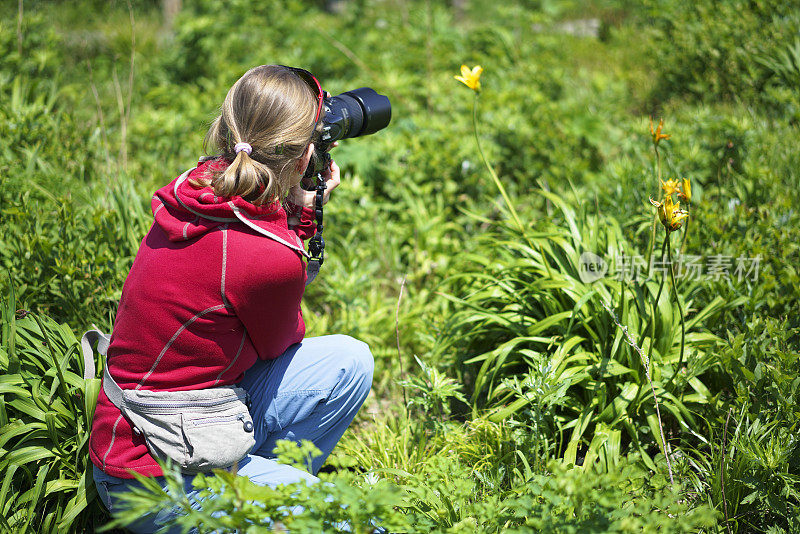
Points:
[[376, 109]]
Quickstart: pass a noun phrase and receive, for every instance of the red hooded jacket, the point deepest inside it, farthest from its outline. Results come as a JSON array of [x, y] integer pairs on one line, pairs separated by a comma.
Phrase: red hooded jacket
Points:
[[216, 283]]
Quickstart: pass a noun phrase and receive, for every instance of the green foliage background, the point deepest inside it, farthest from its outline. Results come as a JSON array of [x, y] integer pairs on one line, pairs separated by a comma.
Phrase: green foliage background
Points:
[[512, 379]]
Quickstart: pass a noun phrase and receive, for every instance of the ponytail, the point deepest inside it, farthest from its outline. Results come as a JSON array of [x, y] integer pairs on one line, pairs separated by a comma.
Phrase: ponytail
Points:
[[264, 126]]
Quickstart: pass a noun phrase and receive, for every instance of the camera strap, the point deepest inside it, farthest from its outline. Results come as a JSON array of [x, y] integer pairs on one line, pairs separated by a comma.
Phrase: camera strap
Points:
[[316, 245]]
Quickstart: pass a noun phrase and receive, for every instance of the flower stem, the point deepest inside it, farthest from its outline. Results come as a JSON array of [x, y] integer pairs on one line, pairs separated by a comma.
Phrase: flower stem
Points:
[[655, 215], [658, 164], [680, 310], [651, 244], [655, 304], [685, 233], [491, 170]]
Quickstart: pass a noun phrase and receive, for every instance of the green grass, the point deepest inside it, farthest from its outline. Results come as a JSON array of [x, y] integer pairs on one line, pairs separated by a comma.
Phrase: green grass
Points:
[[506, 396]]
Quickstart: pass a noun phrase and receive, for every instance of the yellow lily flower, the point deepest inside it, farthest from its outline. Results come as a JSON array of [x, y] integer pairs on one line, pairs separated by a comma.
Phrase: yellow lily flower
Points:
[[686, 193], [662, 212], [670, 187], [670, 214], [656, 134], [471, 78]]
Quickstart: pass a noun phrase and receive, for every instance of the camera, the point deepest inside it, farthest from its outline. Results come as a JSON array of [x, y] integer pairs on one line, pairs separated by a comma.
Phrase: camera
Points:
[[350, 114], [353, 113]]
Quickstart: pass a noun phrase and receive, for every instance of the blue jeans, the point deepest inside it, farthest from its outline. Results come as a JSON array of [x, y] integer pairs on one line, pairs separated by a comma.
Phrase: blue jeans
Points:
[[312, 391]]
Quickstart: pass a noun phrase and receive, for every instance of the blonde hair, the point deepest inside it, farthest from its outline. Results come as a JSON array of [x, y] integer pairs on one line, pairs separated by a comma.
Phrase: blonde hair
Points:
[[272, 109]]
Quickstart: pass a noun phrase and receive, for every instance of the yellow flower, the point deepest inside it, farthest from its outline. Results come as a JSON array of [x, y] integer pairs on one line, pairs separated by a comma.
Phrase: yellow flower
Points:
[[471, 78], [662, 212], [670, 214], [670, 187], [656, 134], [686, 193]]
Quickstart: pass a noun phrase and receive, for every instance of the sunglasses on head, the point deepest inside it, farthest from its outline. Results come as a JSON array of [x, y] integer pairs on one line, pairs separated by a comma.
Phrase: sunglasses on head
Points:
[[314, 84]]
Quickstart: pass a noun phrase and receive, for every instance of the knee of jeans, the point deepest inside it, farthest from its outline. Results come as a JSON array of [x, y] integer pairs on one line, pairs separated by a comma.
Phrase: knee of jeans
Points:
[[356, 358]]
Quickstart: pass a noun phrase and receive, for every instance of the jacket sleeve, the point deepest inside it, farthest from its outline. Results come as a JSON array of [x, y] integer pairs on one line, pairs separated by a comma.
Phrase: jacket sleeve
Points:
[[307, 226], [267, 281]]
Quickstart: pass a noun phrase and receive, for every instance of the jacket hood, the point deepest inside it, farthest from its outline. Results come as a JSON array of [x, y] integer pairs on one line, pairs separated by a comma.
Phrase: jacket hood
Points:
[[185, 212]]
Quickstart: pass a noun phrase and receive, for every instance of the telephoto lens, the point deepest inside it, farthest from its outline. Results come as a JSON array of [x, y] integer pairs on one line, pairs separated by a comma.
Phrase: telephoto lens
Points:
[[353, 114]]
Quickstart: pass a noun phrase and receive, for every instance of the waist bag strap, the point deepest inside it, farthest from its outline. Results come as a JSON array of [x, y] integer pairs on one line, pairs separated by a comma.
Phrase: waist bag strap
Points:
[[112, 389]]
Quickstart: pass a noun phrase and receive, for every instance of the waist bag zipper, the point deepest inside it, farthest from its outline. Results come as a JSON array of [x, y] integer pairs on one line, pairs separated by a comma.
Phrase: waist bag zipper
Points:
[[247, 425], [161, 404]]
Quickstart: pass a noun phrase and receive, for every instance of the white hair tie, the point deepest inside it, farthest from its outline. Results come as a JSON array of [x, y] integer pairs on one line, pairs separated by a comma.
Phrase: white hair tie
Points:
[[243, 147]]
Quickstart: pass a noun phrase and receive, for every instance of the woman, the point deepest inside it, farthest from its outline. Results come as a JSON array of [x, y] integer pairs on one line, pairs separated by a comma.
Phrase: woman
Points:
[[213, 296]]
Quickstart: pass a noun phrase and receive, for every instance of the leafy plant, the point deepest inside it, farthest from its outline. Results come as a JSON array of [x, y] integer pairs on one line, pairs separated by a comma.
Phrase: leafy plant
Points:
[[626, 500], [750, 472], [432, 391], [528, 302], [46, 410], [225, 502]]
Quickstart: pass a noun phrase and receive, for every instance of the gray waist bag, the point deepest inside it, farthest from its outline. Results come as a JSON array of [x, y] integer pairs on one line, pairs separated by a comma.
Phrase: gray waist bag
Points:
[[199, 430]]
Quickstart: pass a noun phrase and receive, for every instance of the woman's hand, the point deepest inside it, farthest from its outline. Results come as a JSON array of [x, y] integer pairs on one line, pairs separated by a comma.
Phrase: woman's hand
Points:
[[307, 199]]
